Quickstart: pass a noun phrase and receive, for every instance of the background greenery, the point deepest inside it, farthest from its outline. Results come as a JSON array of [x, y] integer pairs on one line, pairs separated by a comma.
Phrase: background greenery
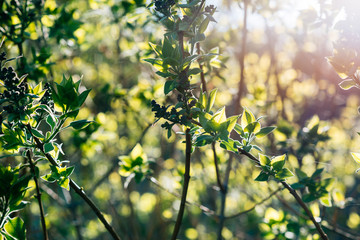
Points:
[[287, 78]]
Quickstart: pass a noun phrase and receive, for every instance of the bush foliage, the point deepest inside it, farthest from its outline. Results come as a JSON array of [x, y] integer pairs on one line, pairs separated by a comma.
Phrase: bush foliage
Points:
[[179, 119]]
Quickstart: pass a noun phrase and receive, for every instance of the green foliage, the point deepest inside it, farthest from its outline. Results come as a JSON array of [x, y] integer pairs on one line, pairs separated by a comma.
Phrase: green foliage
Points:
[[316, 187], [107, 41], [12, 190], [135, 165], [273, 167]]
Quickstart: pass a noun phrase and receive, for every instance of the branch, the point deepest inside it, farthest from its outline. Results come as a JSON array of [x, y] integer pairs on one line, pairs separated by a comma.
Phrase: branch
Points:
[[340, 232], [223, 197], [242, 87], [38, 195], [217, 169], [202, 75], [185, 187], [295, 195], [76, 188], [306, 209]]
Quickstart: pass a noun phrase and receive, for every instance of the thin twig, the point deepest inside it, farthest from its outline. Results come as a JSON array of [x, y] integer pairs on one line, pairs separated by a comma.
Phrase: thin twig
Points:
[[38, 195], [185, 186], [202, 74], [241, 87], [256, 204], [223, 197], [343, 233], [217, 169], [77, 189]]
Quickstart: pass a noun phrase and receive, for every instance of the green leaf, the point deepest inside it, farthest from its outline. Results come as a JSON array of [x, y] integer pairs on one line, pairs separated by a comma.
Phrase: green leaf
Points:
[[229, 145], [283, 174], [263, 176], [51, 121], [264, 160], [156, 49], [239, 130], [231, 122], [169, 132], [49, 178], [203, 26], [278, 162], [37, 133], [297, 185], [300, 174], [356, 157], [82, 97], [247, 118], [15, 227], [64, 183], [79, 124], [169, 86], [48, 147], [220, 116], [309, 197], [253, 127], [326, 200], [317, 173], [167, 48], [68, 171], [164, 74], [194, 71], [71, 114], [18, 207], [203, 140], [211, 99], [247, 148], [264, 131], [154, 61]]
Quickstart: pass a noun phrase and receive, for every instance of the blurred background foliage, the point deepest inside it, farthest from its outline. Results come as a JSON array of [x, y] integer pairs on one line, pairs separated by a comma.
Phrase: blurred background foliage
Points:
[[286, 78]]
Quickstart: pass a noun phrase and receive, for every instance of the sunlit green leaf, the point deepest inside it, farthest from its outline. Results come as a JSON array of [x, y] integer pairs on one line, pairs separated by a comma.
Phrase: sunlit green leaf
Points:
[[169, 86], [278, 162], [264, 160], [283, 174], [264, 131], [80, 124], [48, 147], [263, 176], [247, 118], [15, 227]]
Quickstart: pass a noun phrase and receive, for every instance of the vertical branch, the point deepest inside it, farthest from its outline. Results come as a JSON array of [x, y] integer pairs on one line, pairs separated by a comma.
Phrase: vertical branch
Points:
[[185, 187], [217, 169], [223, 198], [202, 75], [241, 87], [38, 196]]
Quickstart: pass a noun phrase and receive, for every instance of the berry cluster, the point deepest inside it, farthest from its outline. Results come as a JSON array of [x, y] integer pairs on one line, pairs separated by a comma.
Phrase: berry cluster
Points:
[[173, 115], [164, 6], [47, 99], [210, 9], [15, 92]]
